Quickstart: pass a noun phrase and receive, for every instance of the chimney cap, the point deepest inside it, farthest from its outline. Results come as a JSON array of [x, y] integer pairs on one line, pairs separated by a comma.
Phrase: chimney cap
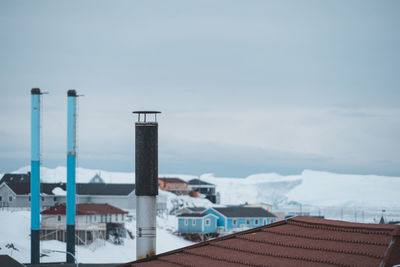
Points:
[[71, 92], [146, 112], [35, 91], [145, 116]]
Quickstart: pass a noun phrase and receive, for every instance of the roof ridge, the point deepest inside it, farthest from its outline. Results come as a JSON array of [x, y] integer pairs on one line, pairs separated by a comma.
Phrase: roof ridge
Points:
[[340, 228], [327, 239], [277, 255], [311, 247]]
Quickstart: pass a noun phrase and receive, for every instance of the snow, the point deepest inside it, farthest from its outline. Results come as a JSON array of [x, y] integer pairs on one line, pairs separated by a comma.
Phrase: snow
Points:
[[335, 196], [59, 191], [15, 228]]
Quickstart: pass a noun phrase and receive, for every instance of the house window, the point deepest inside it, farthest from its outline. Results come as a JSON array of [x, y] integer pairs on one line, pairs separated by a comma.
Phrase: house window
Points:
[[55, 199], [234, 221], [95, 217], [10, 198], [193, 221], [42, 198], [101, 218], [256, 222], [186, 221], [207, 222], [29, 198], [116, 217], [122, 217], [58, 218], [109, 217], [248, 221], [265, 221]]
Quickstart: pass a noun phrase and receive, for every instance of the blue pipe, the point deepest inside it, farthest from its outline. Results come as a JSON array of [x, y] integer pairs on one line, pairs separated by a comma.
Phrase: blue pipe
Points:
[[35, 174], [71, 168]]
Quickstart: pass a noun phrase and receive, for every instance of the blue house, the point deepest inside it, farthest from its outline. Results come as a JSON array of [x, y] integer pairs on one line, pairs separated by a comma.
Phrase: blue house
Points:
[[238, 218], [197, 223]]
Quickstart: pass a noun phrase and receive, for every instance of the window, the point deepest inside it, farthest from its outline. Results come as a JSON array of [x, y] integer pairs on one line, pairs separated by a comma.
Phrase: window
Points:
[[55, 199], [265, 221], [101, 218], [193, 221], [42, 198], [248, 221], [234, 221], [256, 222], [207, 222], [186, 221], [95, 217], [122, 217], [116, 217], [10, 198], [58, 218], [29, 198]]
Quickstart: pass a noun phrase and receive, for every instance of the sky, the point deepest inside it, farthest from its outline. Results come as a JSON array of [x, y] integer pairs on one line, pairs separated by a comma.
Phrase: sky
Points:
[[244, 86]]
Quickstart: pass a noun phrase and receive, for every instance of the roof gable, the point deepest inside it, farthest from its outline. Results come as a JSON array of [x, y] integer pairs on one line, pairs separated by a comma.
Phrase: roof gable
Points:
[[96, 179], [299, 241]]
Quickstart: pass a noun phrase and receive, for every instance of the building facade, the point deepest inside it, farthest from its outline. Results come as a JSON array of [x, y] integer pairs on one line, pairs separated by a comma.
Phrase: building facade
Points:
[[233, 219], [197, 223], [174, 185], [93, 221]]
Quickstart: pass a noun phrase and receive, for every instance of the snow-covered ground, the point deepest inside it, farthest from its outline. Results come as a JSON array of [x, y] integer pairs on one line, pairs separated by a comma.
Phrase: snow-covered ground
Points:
[[15, 229], [336, 196]]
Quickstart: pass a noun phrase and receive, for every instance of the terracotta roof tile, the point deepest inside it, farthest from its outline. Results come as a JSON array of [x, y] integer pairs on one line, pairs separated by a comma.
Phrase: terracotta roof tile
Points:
[[298, 241]]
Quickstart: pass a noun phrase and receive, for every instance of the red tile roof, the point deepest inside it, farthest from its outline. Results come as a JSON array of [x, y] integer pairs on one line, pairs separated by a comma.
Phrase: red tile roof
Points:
[[299, 241], [85, 209]]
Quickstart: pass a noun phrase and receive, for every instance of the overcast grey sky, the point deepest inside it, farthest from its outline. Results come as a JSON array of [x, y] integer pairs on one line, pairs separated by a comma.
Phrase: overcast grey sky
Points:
[[244, 86]]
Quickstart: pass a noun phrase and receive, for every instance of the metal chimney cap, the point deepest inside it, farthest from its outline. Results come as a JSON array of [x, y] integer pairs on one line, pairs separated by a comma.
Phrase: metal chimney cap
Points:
[[71, 92], [146, 112], [35, 91], [145, 116]]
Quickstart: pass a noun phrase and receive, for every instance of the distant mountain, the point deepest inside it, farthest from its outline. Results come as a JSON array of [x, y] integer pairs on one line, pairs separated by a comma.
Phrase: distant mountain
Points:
[[314, 188]]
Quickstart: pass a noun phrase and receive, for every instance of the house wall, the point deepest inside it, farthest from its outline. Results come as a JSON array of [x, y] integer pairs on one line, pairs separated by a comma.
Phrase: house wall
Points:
[[189, 227], [220, 220], [243, 222], [212, 227], [165, 185], [203, 189], [5, 194], [95, 221]]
